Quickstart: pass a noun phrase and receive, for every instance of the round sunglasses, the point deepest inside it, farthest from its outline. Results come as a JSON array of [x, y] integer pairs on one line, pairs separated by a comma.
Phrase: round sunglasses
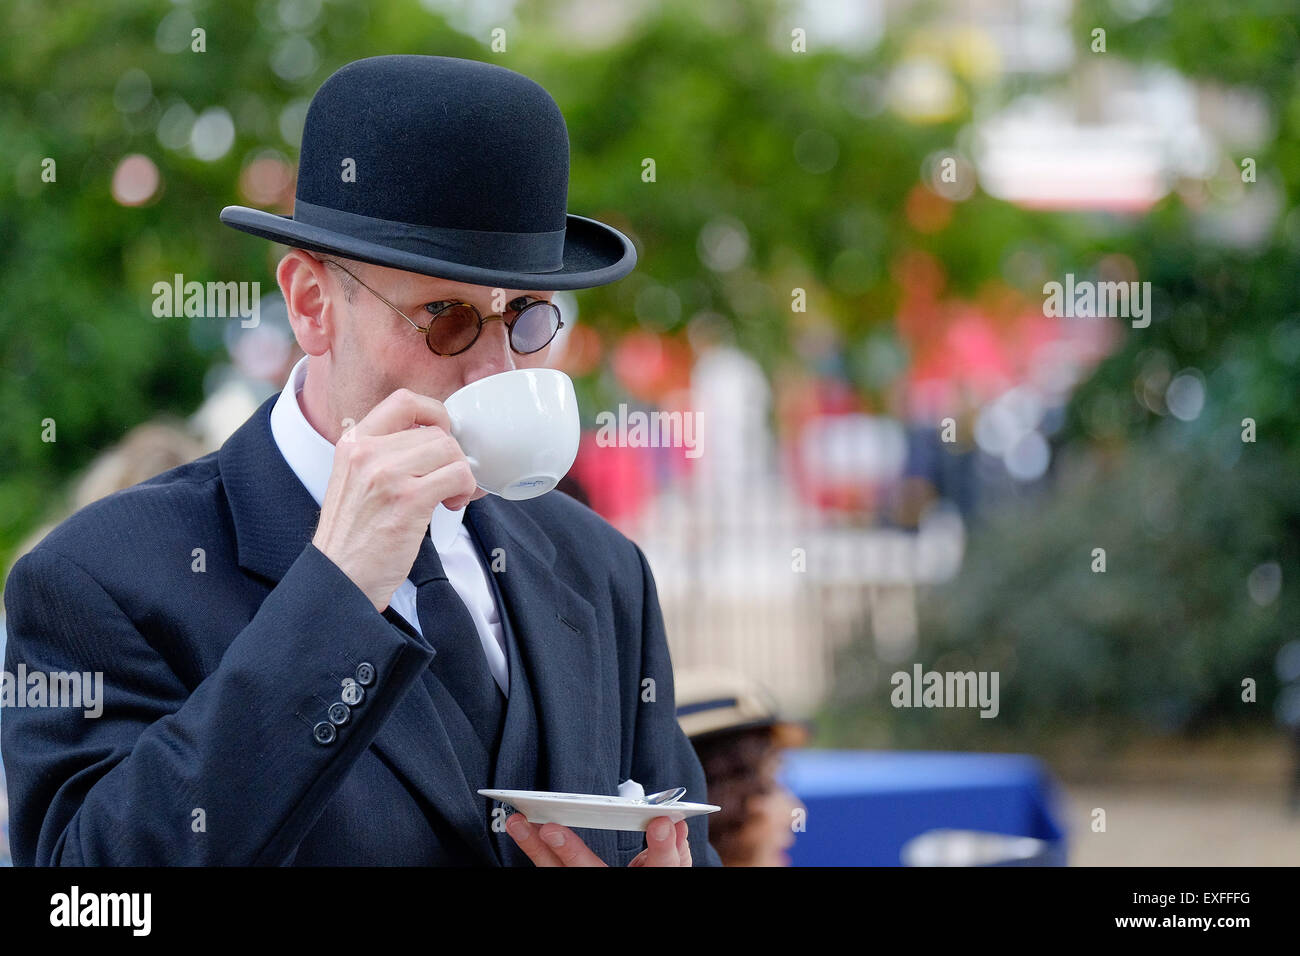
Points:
[[455, 326]]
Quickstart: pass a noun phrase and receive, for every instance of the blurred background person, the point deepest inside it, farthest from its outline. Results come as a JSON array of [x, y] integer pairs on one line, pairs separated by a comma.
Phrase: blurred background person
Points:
[[739, 738], [147, 450]]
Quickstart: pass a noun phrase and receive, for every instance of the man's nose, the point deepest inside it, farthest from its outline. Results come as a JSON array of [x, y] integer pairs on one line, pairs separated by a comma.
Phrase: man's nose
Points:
[[491, 353]]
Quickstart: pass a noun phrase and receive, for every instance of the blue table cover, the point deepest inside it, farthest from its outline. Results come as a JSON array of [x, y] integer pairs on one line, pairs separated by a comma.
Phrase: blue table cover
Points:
[[863, 806]]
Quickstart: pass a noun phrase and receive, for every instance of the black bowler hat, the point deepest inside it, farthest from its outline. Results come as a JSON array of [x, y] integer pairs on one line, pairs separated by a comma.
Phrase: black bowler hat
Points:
[[446, 167]]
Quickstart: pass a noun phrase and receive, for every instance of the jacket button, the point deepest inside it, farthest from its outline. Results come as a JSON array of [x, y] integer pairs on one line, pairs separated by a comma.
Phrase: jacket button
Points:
[[353, 693], [324, 733], [339, 714], [365, 673]]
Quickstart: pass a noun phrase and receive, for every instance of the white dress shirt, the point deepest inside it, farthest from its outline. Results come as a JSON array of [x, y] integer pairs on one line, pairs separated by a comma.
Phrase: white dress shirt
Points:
[[311, 457]]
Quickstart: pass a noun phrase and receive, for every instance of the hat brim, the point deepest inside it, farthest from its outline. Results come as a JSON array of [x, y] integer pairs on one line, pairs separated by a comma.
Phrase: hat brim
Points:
[[594, 254], [785, 734]]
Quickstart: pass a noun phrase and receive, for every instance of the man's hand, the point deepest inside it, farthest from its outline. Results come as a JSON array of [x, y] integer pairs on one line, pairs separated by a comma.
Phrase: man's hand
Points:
[[553, 845], [388, 477]]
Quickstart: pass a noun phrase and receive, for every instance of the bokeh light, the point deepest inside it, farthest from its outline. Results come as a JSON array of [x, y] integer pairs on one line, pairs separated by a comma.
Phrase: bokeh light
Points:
[[135, 180]]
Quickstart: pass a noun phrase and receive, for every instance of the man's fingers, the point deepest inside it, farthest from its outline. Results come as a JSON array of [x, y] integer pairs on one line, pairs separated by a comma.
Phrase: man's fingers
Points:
[[550, 844], [566, 845], [452, 484], [553, 845], [661, 843], [431, 455], [525, 834], [414, 437], [403, 409], [437, 450]]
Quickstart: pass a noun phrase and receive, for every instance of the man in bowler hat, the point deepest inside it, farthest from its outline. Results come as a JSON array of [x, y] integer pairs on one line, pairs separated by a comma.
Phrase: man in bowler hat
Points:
[[320, 641]]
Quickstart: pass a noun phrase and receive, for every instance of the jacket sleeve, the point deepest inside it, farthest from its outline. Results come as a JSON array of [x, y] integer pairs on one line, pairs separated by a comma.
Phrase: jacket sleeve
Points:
[[663, 756], [225, 773]]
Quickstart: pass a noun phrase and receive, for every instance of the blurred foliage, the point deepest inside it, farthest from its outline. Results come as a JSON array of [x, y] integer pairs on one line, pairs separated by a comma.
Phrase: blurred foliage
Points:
[[1158, 644], [1185, 510], [1232, 314]]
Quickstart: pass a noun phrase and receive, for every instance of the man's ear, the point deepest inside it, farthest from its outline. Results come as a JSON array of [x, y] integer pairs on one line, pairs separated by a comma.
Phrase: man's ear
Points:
[[313, 310]]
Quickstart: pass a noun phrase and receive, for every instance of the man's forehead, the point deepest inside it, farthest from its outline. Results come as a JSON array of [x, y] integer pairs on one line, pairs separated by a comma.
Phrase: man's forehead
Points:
[[434, 287]]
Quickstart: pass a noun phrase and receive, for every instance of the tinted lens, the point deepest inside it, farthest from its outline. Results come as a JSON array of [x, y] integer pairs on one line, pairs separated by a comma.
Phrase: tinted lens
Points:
[[454, 329], [535, 327]]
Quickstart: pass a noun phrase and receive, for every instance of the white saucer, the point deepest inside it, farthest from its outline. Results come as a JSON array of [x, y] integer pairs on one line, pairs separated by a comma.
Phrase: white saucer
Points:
[[593, 811]]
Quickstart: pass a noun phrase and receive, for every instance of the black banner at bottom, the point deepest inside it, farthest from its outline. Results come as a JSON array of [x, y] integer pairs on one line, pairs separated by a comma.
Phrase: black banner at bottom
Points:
[[330, 905]]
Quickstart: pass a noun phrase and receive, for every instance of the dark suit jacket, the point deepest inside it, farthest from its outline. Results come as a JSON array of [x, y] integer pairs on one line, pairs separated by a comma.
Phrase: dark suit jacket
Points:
[[214, 680]]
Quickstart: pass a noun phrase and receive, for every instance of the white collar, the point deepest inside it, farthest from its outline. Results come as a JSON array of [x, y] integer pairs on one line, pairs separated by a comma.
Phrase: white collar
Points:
[[311, 456]]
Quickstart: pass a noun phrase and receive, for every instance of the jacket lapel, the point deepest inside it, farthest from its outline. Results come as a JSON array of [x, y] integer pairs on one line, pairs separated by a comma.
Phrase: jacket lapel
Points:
[[415, 740], [557, 632], [274, 518]]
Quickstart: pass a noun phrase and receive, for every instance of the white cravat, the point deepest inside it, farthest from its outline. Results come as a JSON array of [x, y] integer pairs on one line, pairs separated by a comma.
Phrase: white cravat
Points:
[[311, 457]]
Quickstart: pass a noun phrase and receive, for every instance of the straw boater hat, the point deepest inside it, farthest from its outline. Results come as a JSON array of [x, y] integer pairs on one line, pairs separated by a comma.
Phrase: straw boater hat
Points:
[[714, 702]]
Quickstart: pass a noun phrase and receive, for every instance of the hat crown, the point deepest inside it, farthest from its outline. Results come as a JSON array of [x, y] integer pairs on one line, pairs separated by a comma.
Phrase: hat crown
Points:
[[442, 167], [439, 142]]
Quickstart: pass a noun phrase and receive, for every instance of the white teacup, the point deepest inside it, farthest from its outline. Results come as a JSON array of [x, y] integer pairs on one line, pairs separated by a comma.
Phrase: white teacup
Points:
[[519, 430]]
